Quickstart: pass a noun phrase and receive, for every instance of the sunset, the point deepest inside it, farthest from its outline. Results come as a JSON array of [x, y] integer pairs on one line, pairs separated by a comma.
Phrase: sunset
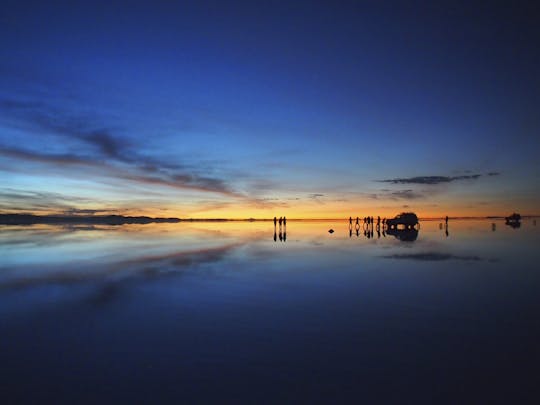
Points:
[[310, 111], [331, 202]]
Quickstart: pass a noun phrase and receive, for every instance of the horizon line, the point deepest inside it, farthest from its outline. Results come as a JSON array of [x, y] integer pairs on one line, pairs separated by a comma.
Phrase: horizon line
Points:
[[218, 219]]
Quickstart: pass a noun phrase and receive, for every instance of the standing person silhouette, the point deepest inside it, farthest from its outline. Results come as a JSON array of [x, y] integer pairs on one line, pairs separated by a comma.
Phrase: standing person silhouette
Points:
[[280, 221], [284, 221], [446, 220], [350, 222]]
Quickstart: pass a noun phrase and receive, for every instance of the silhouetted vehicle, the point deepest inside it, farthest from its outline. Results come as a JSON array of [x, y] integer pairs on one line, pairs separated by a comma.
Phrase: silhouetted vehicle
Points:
[[514, 217], [404, 235], [513, 220], [405, 220]]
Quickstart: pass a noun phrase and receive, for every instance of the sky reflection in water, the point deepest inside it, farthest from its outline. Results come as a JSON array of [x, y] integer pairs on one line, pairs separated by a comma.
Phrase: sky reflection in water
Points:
[[200, 311]]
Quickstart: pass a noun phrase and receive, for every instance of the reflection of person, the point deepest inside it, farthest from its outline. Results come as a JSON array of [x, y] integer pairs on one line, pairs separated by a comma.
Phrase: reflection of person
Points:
[[275, 236], [280, 236], [285, 236]]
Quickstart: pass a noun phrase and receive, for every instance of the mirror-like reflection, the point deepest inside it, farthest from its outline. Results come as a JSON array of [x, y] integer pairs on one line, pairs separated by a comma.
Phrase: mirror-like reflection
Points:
[[200, 311]]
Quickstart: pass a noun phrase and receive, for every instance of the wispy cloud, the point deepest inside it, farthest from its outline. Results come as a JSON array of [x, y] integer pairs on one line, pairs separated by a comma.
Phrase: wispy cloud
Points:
[[104, 150], [430, 179], [136, 174], [385, 194], [16, 200]]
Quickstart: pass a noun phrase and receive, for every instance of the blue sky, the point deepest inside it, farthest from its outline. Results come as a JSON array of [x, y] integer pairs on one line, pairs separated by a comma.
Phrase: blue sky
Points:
[[262, 108]]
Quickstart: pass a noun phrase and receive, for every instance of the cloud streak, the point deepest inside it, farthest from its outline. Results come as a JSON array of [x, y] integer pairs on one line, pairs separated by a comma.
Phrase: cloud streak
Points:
[[136, 174], [431, 180], [107, 153]]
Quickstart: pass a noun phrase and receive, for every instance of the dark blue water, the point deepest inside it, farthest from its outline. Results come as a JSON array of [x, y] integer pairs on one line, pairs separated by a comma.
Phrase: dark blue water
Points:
[[223, 313]]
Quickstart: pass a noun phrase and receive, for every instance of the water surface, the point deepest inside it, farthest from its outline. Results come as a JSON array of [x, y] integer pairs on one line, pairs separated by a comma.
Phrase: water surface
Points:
[[231, 312]]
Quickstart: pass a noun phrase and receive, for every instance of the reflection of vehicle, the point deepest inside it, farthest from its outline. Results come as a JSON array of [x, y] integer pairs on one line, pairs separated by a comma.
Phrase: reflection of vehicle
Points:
[[513, 220], [405, 220], [404, 235]]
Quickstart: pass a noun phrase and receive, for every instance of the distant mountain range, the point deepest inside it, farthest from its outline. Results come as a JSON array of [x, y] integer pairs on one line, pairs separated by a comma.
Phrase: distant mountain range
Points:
[[29, 219]]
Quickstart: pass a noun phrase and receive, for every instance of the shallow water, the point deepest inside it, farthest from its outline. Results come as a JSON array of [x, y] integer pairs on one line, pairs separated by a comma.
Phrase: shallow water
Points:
[[223, 312]]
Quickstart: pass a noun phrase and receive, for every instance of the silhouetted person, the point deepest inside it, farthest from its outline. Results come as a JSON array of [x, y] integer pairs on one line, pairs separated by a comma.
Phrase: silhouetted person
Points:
[[446, 220], [280, 221], [284, 221], [350, 222], [275, 222], [378, 220], [383, 221]]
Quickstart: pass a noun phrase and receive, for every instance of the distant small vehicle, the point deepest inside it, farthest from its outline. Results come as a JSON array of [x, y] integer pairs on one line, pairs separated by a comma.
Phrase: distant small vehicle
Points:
[[405, 220], [513, 218]]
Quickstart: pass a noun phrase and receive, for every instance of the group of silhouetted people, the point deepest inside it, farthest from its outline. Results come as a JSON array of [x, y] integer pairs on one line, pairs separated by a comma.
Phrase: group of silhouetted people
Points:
[[282, 229], [370, 221], [281, 220]]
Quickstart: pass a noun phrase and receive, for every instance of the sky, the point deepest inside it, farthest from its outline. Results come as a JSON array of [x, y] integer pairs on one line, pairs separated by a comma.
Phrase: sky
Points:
[[212, 109]]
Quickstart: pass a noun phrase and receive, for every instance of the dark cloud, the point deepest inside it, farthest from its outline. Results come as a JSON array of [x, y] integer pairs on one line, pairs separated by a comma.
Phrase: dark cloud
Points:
[[385, 194], [131, 173], [45, 118], [14, 200], [430, 179], [77, 211], [431, 257], [406, 195], [105, 151]]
